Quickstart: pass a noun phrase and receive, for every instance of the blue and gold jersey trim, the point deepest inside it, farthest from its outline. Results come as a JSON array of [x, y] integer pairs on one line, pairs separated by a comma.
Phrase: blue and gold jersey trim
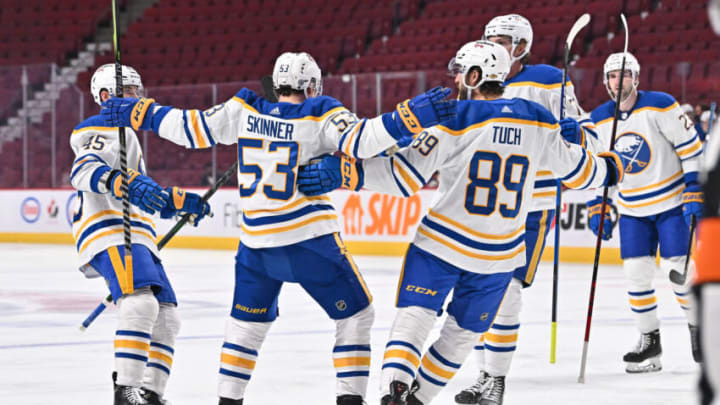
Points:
[[109, 222], [652, 194], [288, 218]]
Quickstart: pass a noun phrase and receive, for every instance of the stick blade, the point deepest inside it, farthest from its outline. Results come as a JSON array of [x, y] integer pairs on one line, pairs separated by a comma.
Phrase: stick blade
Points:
[[579, 25]]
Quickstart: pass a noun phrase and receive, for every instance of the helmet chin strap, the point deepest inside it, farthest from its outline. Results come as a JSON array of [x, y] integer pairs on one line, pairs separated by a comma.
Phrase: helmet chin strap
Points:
[[612, 95], [468, 87]]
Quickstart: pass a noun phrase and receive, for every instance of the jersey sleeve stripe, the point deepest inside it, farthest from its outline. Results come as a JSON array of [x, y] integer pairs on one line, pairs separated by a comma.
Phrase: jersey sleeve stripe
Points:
[[80, 166], [412, 184], [346, 148], [698, 153], [412, 169], [578, 167], [357, 140], [196, 128], [187, 130], [207, 129], [684, 144], [397, 181], [89, 155], [690, 150]]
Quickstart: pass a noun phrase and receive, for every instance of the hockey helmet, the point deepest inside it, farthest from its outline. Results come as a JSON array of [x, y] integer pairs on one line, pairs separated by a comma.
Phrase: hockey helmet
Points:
[[299, 71], [104, 79], [614, 62], [514, 26], [492, 59]]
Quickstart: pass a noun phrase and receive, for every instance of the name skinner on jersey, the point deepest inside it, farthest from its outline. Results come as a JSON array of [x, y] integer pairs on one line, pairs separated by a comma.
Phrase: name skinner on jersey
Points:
[[270, 128], [507, 135]]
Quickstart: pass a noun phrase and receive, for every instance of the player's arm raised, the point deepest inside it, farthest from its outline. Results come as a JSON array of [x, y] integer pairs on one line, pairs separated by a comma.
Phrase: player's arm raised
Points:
[[402, 174], [365, 138], [193, 129]]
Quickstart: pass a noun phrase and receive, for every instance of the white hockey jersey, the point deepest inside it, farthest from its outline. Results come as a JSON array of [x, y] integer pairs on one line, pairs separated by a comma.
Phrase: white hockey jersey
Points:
[[273, 140], [487, 158], [542, 84], [97, 223], [659, 146]]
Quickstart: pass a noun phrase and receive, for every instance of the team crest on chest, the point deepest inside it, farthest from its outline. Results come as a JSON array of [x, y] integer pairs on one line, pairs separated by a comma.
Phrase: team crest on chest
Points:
[[635, 151]]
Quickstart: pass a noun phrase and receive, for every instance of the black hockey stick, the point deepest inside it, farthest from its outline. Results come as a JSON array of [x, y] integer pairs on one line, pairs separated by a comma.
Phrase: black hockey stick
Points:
[[268, 89], [579, 25], [675, 276], [598, 243], [183, 220], [127, 236]]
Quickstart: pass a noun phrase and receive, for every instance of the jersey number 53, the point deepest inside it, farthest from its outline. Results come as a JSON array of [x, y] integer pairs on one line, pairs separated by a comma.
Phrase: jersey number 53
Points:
[[288, 150]]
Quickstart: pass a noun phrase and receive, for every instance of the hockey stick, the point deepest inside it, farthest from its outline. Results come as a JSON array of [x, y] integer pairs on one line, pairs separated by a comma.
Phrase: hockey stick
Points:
[[579, 25], [268, 91], [598, 243], [183, 220], [713, 105], [675, 275], [123, 159]]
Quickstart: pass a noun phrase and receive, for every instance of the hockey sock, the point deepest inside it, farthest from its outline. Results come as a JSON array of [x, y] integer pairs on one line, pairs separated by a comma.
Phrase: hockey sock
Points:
[[162, 349], [137, 313], [239, 354], [403, 350], [351, 354], [443, 359], [501, 339], [479, 351], [682, 291], [643, 302]]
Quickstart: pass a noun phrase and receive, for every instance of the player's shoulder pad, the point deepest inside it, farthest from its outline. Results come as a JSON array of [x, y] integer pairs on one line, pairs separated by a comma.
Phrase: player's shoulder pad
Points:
[[654, 99], [96, 122], [474, 112], [603, 112], [540, 74]]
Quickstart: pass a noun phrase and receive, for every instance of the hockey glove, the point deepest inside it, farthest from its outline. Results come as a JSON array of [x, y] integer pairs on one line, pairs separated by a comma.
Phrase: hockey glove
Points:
[[594, 207], [128, 112], [615, 167], [330, 173], [422, 111], [693, 201], [571, 131], [143, 192], [180, 201]]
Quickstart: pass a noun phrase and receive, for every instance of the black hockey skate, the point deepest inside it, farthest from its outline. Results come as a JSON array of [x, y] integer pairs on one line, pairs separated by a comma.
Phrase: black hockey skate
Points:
[[227, 401], [645, 358], [126, 395], [493, 394], [695, 343], [153, 398], [401, 394], [472, 394], [350, 400]]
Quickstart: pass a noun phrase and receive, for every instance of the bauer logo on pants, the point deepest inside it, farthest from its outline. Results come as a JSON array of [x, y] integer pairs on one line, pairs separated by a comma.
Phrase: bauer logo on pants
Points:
[[635, 152]]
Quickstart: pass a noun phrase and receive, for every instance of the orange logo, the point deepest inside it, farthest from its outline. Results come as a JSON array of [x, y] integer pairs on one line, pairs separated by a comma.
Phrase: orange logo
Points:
[[388, 215]]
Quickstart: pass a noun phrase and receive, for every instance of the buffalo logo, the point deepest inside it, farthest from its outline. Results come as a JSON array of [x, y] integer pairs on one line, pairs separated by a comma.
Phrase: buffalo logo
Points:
[[635, 152], [341, 305]]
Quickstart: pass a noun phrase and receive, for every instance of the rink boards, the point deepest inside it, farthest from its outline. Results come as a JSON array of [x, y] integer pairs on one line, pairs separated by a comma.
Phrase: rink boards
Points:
[[371, 223]]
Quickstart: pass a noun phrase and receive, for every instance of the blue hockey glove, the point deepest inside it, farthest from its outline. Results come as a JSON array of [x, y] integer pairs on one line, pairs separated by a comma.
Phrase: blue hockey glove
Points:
[[571, 131], [594, 207], [330, 173], [422, 111], [693, 201], [128, 112], [180, 201], [615, 167], [143, 192]]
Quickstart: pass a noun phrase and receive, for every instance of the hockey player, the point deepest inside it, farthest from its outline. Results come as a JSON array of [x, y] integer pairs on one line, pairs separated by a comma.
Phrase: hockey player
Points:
[[148, 322], [542, 84], [473, 237], [656, 199], [286, 236]]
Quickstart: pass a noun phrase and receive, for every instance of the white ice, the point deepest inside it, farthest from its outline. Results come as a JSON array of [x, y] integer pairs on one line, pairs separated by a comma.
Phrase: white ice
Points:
[[44, 359]]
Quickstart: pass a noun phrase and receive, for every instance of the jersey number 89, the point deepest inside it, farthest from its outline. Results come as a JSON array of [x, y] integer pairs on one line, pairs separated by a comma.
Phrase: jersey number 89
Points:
[[500, 171]]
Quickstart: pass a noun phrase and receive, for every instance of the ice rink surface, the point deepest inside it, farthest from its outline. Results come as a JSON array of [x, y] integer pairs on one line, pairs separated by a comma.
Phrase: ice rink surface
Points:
[[44, 359]]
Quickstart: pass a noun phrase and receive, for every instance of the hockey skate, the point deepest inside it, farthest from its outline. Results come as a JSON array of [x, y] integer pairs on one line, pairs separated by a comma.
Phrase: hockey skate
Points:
[[493, 394], [153, 398], [472, 394], [126, 395], [227, 401], [645, 358], [695, 343], [350, 400], [401, 394]]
